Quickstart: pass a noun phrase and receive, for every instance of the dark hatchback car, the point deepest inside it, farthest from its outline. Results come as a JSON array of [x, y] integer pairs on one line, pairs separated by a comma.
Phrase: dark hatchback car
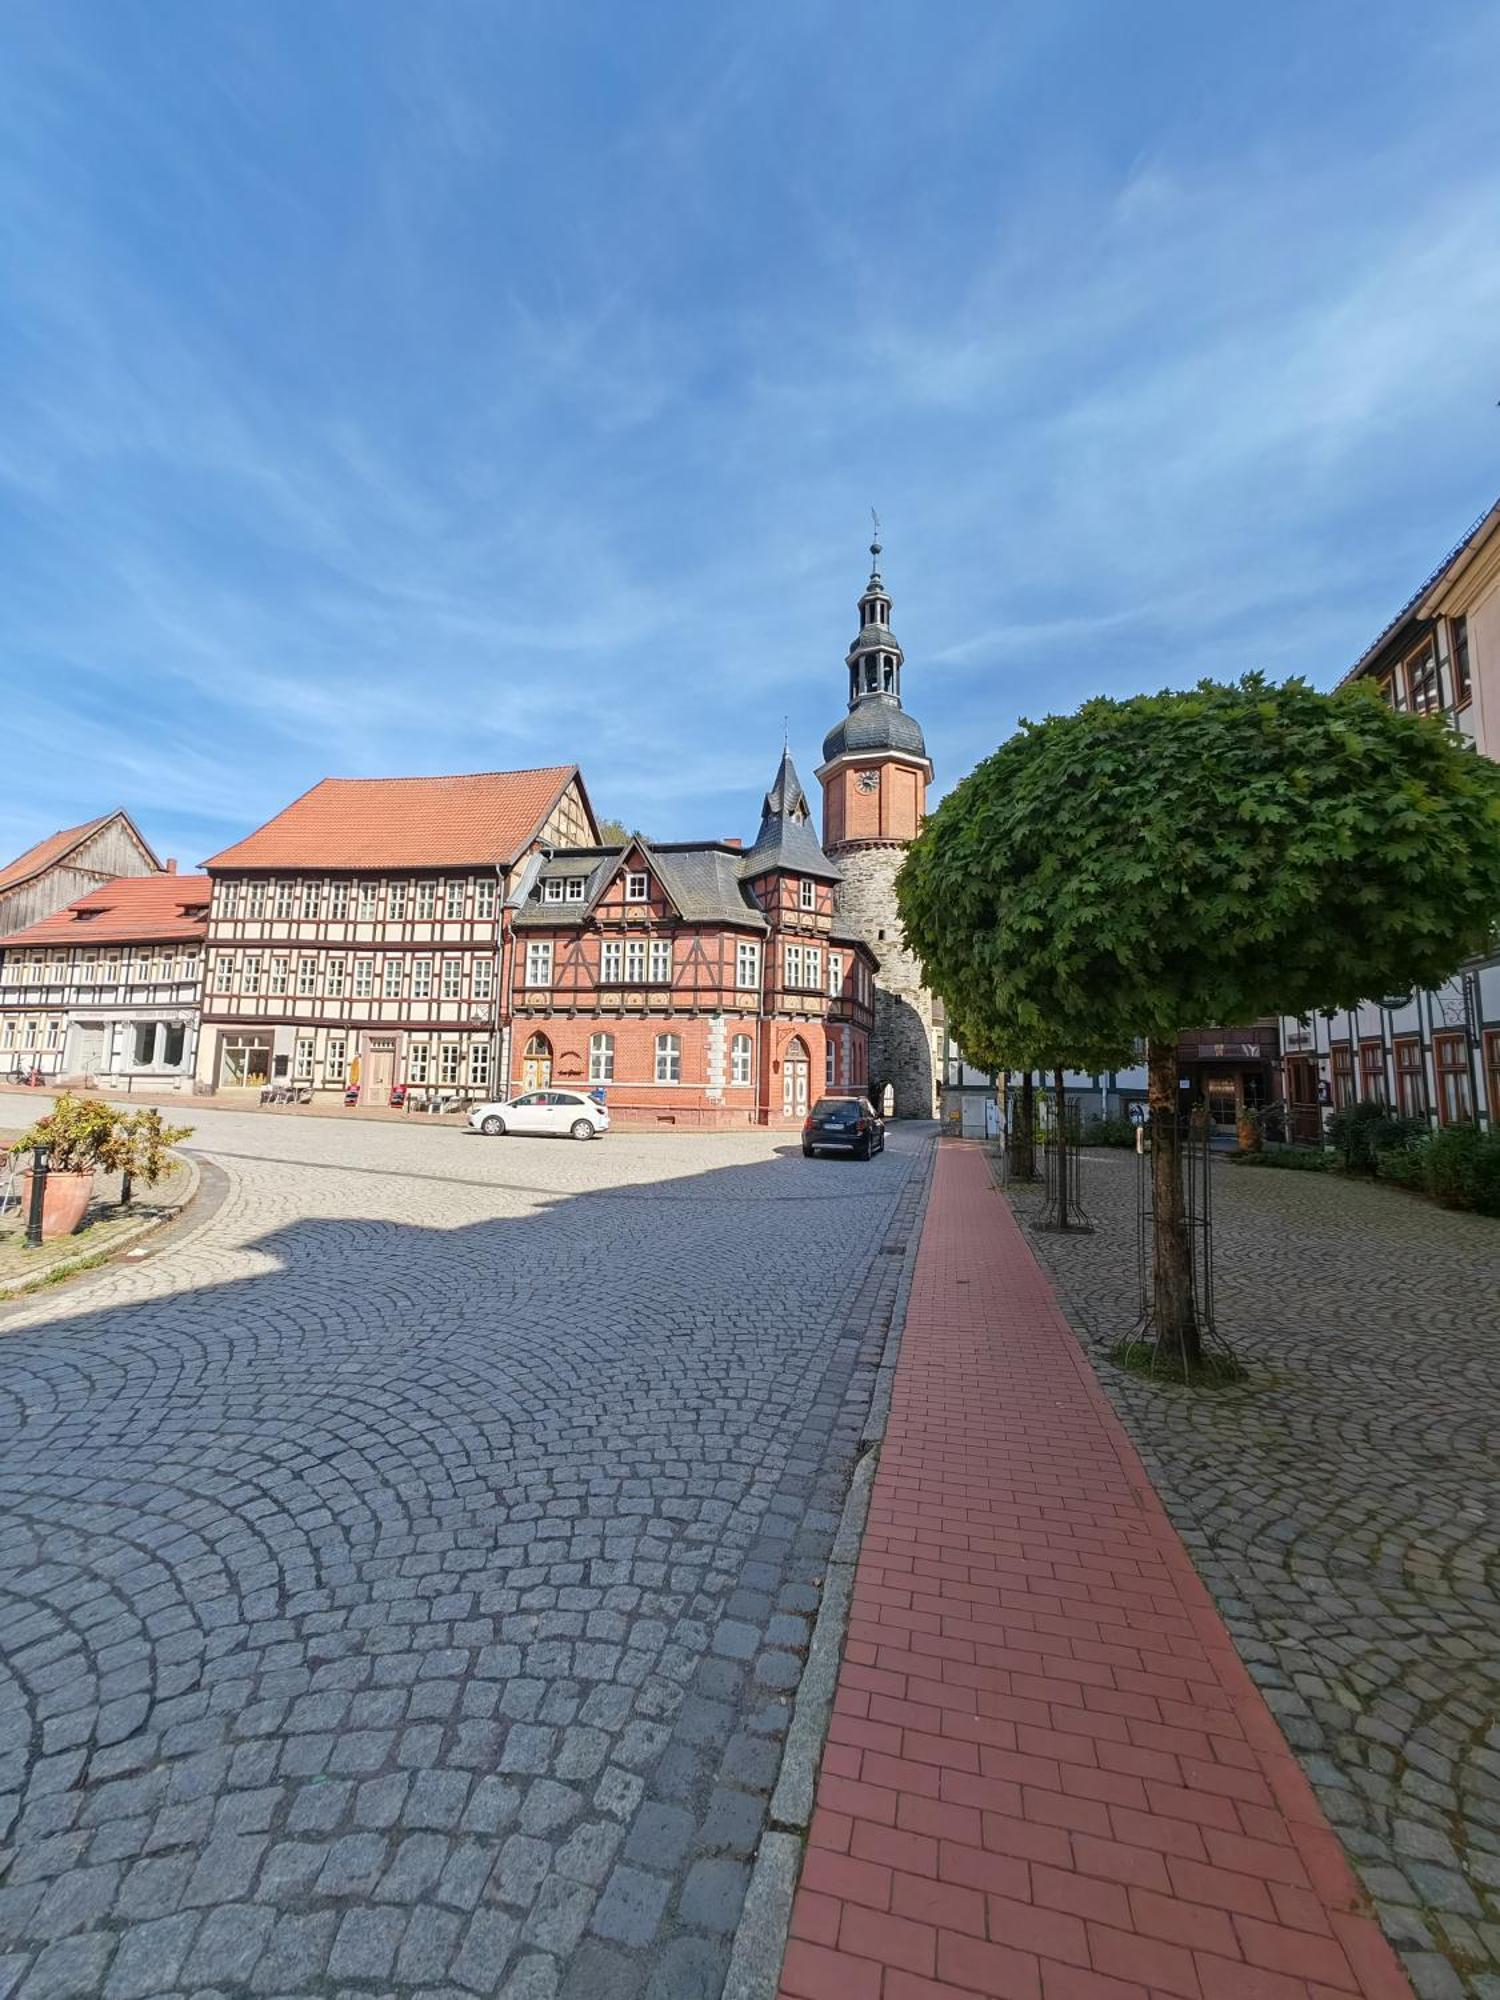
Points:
[[843, 1125]]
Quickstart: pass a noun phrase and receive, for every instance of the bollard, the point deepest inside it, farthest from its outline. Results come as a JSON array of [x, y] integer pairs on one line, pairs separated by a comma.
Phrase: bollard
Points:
[[39, 1159]]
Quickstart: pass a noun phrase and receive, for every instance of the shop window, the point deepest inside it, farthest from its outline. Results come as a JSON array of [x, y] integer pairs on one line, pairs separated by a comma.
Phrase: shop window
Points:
[[1372, 1071], [173, 1042], [1455, 1093], [1411, 1084], [143, 1043], [1343, 1075]]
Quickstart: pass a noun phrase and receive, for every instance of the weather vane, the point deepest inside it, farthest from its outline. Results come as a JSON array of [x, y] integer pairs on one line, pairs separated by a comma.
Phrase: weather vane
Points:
[[875, 524]]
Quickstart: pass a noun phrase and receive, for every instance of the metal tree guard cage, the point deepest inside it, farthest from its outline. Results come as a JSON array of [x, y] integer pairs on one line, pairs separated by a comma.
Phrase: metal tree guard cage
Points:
[[1195, 1133], [1062, 1170]]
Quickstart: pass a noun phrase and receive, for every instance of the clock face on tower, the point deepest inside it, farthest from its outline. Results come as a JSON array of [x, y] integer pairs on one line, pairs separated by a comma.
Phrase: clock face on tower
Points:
[[868, 781]]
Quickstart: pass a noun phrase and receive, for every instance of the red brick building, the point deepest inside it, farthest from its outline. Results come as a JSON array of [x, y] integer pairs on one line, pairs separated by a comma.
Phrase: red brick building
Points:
[[696, 983]]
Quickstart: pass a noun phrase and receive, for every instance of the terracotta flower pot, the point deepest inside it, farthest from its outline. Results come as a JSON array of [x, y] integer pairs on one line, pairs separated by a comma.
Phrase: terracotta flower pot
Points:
[[64, 1200]]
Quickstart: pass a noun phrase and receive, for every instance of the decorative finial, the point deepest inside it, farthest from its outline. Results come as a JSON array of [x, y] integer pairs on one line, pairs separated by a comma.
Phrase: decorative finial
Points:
[[875, 544]]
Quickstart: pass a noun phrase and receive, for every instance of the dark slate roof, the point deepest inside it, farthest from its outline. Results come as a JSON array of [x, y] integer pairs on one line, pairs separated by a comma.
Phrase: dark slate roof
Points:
[[842, 934], [786, 838], [876, 722], [702, 879]]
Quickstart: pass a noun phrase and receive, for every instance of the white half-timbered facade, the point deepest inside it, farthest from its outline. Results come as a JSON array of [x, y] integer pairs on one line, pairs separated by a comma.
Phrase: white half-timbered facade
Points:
[[107, 991], [357, 942]]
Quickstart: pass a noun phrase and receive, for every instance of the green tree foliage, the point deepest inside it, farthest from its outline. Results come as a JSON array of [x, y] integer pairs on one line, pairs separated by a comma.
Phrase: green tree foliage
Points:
[[1182, 860], [613, 832]]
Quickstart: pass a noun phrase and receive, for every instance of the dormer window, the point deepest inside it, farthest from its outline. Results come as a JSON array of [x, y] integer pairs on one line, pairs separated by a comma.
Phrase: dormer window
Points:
[[576, 886], [637, 886], [552, 890]]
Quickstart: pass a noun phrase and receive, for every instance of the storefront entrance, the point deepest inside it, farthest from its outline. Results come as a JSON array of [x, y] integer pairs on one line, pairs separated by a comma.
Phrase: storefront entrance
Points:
[[380, 1069], [244, 1063], [536, 1064]]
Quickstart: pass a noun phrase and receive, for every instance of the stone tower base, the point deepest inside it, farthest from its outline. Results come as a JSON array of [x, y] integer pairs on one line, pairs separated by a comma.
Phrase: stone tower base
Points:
[[903, 1047]]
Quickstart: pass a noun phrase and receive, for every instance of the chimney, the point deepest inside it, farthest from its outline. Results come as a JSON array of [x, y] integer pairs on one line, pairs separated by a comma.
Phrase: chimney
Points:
[[171, 864], [733, 840]]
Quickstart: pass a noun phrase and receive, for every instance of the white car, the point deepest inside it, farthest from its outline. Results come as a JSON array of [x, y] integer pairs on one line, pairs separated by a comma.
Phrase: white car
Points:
[[564, 1114]]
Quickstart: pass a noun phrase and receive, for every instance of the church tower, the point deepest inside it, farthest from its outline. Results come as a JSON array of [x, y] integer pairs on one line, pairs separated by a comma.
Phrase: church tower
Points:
[[875, 773]]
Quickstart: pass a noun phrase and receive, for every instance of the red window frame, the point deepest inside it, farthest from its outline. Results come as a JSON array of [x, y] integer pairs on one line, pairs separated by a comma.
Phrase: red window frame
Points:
[[1455, 1085], [1411, 1077], [1372, 1084], [1341, 1059]]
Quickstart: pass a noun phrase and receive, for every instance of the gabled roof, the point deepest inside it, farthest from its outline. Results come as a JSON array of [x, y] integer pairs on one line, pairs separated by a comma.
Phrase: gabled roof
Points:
[[483, 819], [786, 839], [702, 879], [47, 853], [133, 909], [1413, 610]]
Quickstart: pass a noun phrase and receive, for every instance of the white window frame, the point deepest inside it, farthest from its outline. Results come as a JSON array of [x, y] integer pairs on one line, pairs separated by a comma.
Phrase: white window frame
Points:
[[807, 893], [577, 888], [450, 1058], [338, 902], [484, 899], [335, 978], [395, 903], [669, 1058], [367, 907], [479, 1065], [661, 968], [283, 899], [281, 976], [812, 966], [224, 973], [635, 961], [336, 1058], [539, 961], [611, 962], [392, 977], [418, 1061], [794, 966], [830, 1061], [747, 965], [302, 1059], [835, 975], [742, 1059], [426, 902], [637, 886], [364, 978], [255, 900], [250, 973], [484, 978], [453, 902], [552, 889], [602, 1057], [421, 978], [307, 978], [452, 979]]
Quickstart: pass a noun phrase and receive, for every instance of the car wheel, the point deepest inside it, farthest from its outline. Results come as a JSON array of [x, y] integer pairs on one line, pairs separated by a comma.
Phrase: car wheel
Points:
[[862, 1152], [580, 1129], [492, 1128], [809, 1152]]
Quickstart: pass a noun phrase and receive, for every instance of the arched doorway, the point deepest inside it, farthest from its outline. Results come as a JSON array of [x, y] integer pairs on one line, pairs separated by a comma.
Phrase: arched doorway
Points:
[[536, 1064], [794, 1073]]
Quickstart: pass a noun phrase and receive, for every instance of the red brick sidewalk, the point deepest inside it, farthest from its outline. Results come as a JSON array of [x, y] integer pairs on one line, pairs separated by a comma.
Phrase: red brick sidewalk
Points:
[[1049, 1776]]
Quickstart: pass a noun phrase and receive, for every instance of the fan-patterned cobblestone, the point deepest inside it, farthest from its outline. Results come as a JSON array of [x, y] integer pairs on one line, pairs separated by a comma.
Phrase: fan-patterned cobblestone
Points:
[[1342, 1507], [405, 1578]]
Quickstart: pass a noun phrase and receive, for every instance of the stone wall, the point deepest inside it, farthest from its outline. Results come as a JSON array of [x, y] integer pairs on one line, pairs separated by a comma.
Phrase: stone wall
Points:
[[903, 1048]]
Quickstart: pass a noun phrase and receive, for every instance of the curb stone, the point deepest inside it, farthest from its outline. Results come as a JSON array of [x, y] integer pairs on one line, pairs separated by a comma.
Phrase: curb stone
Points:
[[65, 1266]]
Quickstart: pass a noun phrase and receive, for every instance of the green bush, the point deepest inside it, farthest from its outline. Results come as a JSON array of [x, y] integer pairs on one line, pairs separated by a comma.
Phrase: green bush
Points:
[[1296, 1159], [1361, 1132], [1109, 1132], [1462, 1168], [1406, 1166]]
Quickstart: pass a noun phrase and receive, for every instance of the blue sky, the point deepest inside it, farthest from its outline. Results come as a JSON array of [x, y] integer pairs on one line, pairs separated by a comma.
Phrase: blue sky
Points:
[[393, 387]]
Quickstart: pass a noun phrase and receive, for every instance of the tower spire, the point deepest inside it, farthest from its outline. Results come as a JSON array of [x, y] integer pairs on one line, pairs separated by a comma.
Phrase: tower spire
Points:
[[874, 659]]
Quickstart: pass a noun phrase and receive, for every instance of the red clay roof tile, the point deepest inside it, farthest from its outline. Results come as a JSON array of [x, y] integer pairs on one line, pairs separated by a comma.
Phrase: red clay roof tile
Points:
[[134, 909], [474, 820]]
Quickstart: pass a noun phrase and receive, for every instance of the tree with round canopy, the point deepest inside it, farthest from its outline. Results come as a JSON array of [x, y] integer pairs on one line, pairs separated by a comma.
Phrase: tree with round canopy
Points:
[[1190, 859]]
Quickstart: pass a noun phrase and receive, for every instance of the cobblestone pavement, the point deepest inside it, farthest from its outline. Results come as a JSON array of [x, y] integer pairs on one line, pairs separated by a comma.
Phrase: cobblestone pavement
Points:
[[404, 1580], [1342, 1508]]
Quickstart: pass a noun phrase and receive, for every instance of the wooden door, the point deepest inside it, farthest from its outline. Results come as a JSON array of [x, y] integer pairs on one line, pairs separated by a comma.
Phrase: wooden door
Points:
[[794, 1082], [536, 1064], [381, 1071]]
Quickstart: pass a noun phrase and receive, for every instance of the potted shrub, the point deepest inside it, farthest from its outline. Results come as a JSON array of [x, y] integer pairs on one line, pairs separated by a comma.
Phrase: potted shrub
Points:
[[1249, 1129], [85, 1136]]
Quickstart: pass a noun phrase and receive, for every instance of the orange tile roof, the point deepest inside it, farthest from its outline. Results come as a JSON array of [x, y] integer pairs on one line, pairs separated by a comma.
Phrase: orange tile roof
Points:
[[53, 848], [477, 820], [133, 909]]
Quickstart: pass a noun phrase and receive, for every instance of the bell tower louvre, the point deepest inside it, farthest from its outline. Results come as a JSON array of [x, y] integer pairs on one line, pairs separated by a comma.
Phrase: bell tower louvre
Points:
[[875, 773]]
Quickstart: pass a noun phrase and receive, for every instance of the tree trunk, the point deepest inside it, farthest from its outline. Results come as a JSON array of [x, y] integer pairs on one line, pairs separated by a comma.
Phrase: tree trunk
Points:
[[1026, 1138], [1060, 1148], [1172, 1278]]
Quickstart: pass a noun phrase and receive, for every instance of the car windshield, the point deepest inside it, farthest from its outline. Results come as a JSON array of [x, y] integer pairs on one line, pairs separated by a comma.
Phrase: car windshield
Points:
[[837, 1111]]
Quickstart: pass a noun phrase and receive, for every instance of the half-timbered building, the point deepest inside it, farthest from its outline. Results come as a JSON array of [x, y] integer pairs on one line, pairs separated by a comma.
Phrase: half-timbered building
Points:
[[357, 940], [106, 991], [695, 983]]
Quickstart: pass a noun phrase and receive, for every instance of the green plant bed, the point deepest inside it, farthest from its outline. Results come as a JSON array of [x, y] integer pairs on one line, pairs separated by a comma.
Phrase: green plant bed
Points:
[[1296, 1159], [1109, 1132], [1145, 1357]]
